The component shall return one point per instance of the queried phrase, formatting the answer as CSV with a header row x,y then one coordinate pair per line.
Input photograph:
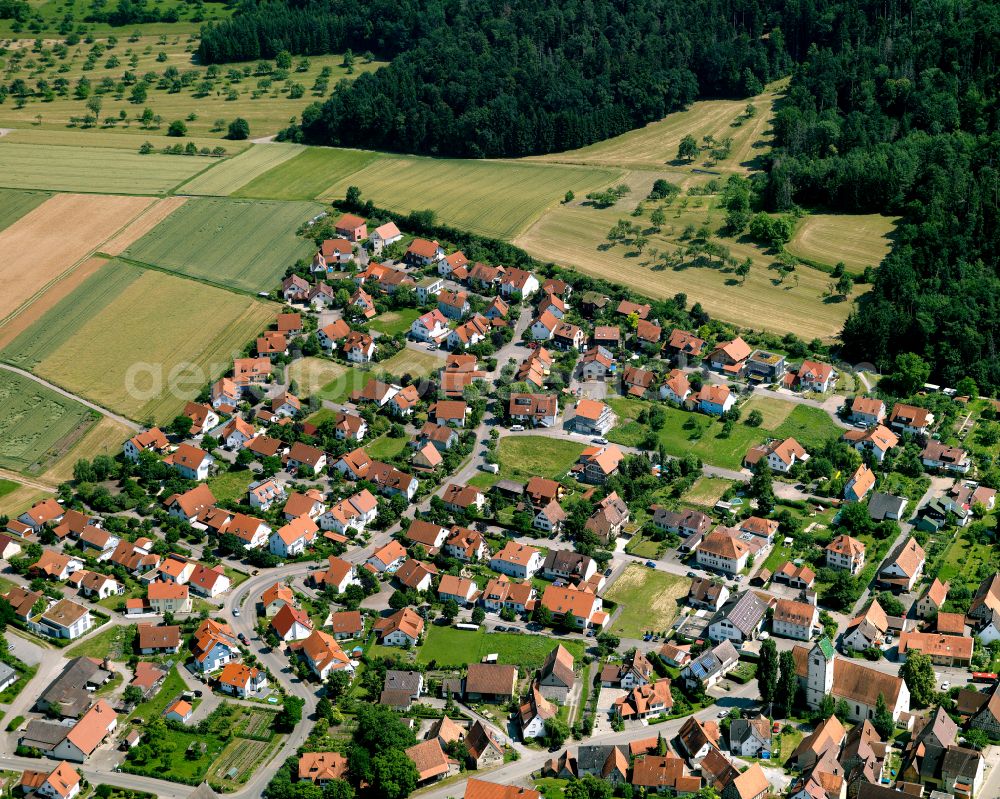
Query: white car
x,y
517,428
945,685
236,611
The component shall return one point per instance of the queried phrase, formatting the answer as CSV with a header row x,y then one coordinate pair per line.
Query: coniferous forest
x,y
892,108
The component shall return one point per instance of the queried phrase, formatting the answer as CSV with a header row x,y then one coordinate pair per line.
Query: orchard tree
x,y
688,148
239,129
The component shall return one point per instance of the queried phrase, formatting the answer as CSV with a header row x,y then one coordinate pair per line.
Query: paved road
x,y
93,406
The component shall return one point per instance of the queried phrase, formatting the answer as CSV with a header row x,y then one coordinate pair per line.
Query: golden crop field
x,y
113,359
858,240
52,238
574,235
491,198
104,438
655,145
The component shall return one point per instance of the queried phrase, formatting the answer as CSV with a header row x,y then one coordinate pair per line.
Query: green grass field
x,y
173,686
448,646
700,435
706,491
14,204
36,425
97,341
228,175
8,487
392,322
231,486
92,169
492,198
386,447
245,244
523,457
647,600
307,175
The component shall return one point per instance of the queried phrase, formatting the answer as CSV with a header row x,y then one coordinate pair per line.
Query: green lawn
x,y
687,432
647,600
24,674
231,486
114,642
524,457
551,788
385,447
811,427
172,686
413,362
8,487
449,646
341,388
484,480
392,322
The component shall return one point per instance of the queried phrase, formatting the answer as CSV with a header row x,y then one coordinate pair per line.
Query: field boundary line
x,y
200,172
204,281
79,262
129,423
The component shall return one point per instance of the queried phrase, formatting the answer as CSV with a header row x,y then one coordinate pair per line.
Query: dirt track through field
x,y
149,219
53,238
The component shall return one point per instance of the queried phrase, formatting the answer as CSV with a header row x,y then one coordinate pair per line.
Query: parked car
x,y
516,428
236,611
607,572
600,440
650,564
692,575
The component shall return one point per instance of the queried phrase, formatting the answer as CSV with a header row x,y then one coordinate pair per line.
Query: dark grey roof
x,y
44,735
744,611
566,560
741,730
6,672
67,694
591,758
880,504
408,681
711,661
959,760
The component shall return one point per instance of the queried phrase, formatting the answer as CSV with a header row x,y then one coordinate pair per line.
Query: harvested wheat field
x,y
33,310
857,240
52,238
152,216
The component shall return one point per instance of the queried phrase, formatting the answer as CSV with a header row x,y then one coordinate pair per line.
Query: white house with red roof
x,y
291,624
191,462
355,512
292,539
431,326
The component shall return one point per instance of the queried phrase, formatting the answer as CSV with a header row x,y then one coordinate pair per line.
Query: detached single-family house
x,y
715,400
191,462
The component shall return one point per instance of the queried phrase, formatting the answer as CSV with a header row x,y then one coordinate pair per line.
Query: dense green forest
x,y
894,109
484,78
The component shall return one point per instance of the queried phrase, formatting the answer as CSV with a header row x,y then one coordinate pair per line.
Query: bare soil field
x,y
150,218
52,238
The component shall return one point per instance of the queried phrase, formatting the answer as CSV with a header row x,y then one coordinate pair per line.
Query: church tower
x,y
819,672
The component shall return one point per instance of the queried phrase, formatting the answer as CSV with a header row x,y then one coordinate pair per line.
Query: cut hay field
x,y
491,198
97,342
36,425
14,204
307,175
53,237
858,240
311,375
226,177
655,145
242,244
648,600
91,169
144,223
21,497
413,362
107,139
574,235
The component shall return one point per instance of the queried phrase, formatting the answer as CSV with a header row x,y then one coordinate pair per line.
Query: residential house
x,y
64,619
633,671
929,605
815,376
431,326
463,498
765,366
550,518
262,494
485,748
592,417
859,484
236,433
416,574
384,235
242,681
388,558
903,567
663,773
323,655
291,624
683,346
404,401
867,411
354,513
845,553
401,688
730,357
460,589
214,645
568,336
534,410
431,761
675,387
301,454
168,597
518,281
192,463
466,545
750,737
158,639
597,364
876,440
740,619
715,400
749,784
422,252
152,440
646,700
910,419
609,518
517,560
351,227
707,594
937,455
597,464
291,540
576,607
867,630
501,593
402,628
96,725
533,712
565,564
795,619
723,553
359,347
338,574
556,678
